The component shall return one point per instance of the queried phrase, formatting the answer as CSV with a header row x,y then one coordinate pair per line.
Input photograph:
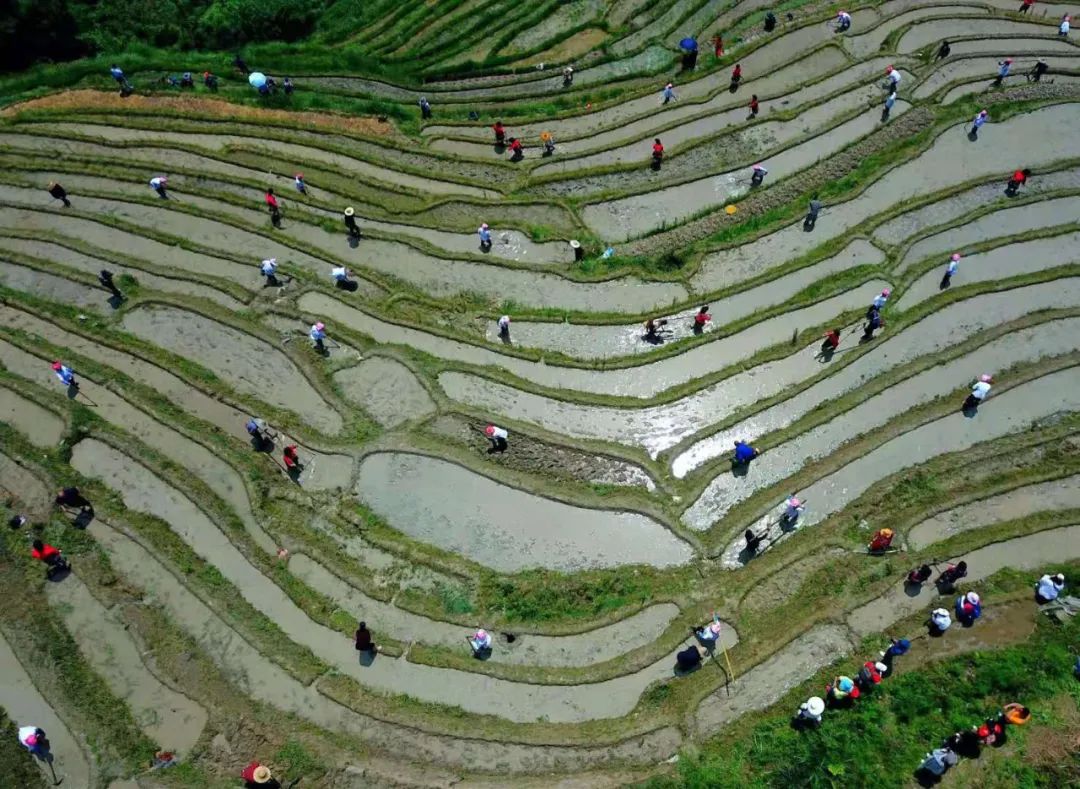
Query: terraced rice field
x,y
215,592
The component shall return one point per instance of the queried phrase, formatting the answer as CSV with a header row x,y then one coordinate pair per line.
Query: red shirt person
x,y
270,199
291,457
500,132
736,73
44,552
657,149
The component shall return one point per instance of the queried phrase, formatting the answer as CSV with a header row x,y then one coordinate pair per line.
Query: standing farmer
x,y
890,100
504,327
954,263
158,184
298,182
59,193
425,108
118,74
657,153
874,322
105,277
350,223
736,77
269,270
753,106
980,119
65,374
669,93
718,45
485,237
757,174
892,79
275,211
1063,28
318,335
1003,71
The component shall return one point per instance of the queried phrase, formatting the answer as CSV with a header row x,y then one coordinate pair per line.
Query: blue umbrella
x,y
689,44
256,79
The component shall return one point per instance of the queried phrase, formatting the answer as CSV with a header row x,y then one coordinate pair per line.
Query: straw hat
x,y
956,256
972,597
350,211
261,774
57,365
575,244
50,185
815,705
545,136
730,209
886,532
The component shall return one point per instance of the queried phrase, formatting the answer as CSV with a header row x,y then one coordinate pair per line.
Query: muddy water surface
x,y
505,528
251,365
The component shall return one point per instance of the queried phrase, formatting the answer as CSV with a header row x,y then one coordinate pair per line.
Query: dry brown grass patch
x,y
212,108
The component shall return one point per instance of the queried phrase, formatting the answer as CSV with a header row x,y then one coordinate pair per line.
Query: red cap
x,y
56,366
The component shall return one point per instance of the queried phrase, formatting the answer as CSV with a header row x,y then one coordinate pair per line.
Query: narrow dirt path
x,y
86,264
940,213
1014,411
26,707
771,133
516,701
105,237
242,360
252,672
1021,553
950,159
218,475
1011,260
599,341
632,217
1058,494
933,334
504,528
767,682
657,428
778,463
582,649
326,471
626,382
167,717
998,224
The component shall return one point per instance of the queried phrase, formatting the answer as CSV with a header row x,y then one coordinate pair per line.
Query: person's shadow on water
x,y
367,656
739,468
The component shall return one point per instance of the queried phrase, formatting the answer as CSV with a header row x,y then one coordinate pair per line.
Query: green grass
x,y
881,740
